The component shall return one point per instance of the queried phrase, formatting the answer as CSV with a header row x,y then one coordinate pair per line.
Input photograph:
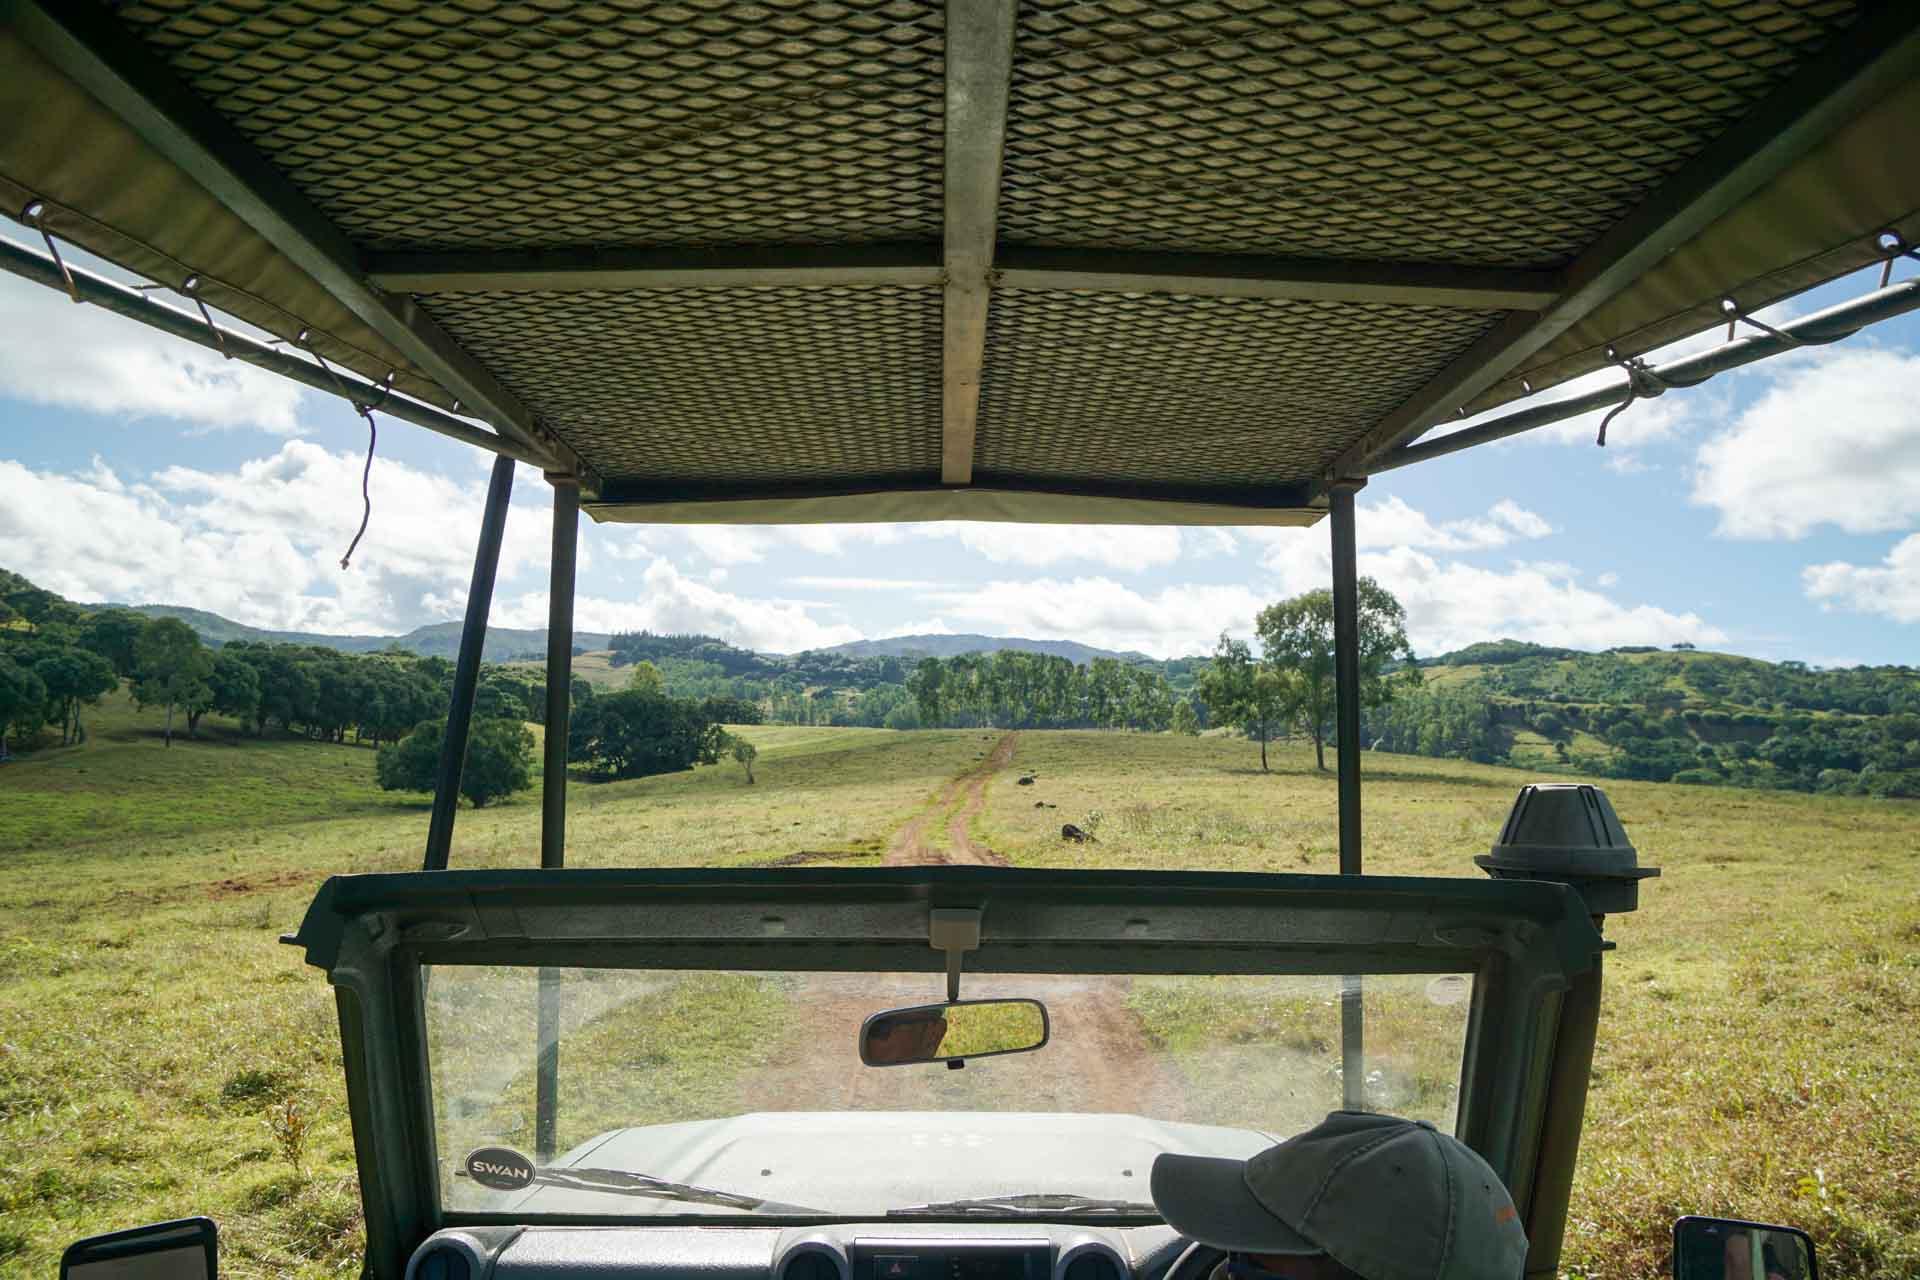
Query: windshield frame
x,y
1522,940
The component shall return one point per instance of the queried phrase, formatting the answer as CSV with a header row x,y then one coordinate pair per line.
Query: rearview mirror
x,y
185,1249
1728,1249
952,1033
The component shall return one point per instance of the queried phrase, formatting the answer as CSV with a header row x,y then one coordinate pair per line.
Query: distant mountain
x,y
948,646
442,639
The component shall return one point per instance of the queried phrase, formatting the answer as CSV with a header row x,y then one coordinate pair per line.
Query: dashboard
x,y
849,1251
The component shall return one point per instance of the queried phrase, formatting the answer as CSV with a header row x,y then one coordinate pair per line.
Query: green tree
x,y
171,668
745,753
630,735
1184,720
22,698
646,678
1243,693
113,633
73,678
499,760
1296,637
233,689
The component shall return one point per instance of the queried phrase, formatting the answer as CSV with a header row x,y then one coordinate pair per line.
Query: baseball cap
x,y
1390,1199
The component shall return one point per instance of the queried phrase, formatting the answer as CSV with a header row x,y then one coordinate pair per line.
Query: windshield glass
x,y
732,1093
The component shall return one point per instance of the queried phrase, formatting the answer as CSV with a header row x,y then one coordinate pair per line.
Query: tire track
x,y
965,797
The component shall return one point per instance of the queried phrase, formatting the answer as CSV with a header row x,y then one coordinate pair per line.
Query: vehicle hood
x,y
861,1163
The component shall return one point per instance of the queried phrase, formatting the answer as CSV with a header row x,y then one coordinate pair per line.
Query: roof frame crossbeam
x,y
86,43
1015,267
979,64
136,305
1832,324
1858,66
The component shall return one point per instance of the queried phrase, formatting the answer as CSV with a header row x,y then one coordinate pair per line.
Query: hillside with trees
x,y
1675,715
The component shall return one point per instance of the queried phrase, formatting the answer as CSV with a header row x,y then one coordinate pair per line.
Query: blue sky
x,y
1775,512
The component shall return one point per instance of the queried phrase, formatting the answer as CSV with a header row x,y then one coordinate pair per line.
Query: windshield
x,y
733,1093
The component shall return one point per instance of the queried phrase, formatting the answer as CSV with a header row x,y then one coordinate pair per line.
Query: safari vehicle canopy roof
x,y
889,259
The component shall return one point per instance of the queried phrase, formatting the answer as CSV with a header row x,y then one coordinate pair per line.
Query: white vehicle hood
x,y
864,1163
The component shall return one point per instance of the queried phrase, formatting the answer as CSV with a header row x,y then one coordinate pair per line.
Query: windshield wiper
x,y
618,1182
1062,1202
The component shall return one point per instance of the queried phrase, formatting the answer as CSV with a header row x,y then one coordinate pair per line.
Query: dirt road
x,y
959,801
1096,1059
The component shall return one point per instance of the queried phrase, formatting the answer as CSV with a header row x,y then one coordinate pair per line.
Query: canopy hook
x,y
1735,316
1895,246
190,287
30,214
1642,384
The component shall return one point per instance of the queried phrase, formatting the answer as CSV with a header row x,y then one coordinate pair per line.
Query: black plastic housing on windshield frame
x,y
1524,941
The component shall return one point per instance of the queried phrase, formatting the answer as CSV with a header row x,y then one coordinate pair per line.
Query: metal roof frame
x,y
1013,73
392,291
1861,64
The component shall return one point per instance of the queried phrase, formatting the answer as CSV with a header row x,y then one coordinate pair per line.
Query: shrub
x,y
499,760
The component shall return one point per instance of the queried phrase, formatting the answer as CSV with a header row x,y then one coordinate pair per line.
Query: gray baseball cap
x,y
1387,1198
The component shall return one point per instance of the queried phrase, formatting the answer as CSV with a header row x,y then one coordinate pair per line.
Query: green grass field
x,y
158,1048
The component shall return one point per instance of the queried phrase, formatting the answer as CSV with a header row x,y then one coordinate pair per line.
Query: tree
x,y
73,678
744,752
233,689
646,678
630,734
113,633
499,760
1296,637
22,697
1184,720
1243,693
171,668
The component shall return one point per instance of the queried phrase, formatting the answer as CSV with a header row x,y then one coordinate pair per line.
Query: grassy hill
x,y
1686,715
1755,1057
948,646
438,640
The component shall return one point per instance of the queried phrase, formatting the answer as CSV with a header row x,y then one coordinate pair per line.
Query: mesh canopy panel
x,y
699,122
1437,131
1202,391
722,385
761,252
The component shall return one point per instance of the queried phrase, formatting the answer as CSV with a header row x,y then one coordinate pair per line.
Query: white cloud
x,y
865,584
1450,603
1176,620
1836,441
81,357
261,544
1392,523
1890,588
1124,547
668,601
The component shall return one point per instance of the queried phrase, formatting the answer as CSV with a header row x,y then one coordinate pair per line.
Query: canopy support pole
x,y
466,674
553,778
553,797
1346,699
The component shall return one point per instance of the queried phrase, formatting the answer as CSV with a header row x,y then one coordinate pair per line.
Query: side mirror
x,y
1729,1249
952,1033
186,1249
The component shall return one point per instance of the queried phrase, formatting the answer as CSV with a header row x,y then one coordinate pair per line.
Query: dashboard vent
x,y
442,1264
811,1264
1093,1265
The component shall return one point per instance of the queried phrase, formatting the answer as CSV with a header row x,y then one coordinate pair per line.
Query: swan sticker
x,y
501,1168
